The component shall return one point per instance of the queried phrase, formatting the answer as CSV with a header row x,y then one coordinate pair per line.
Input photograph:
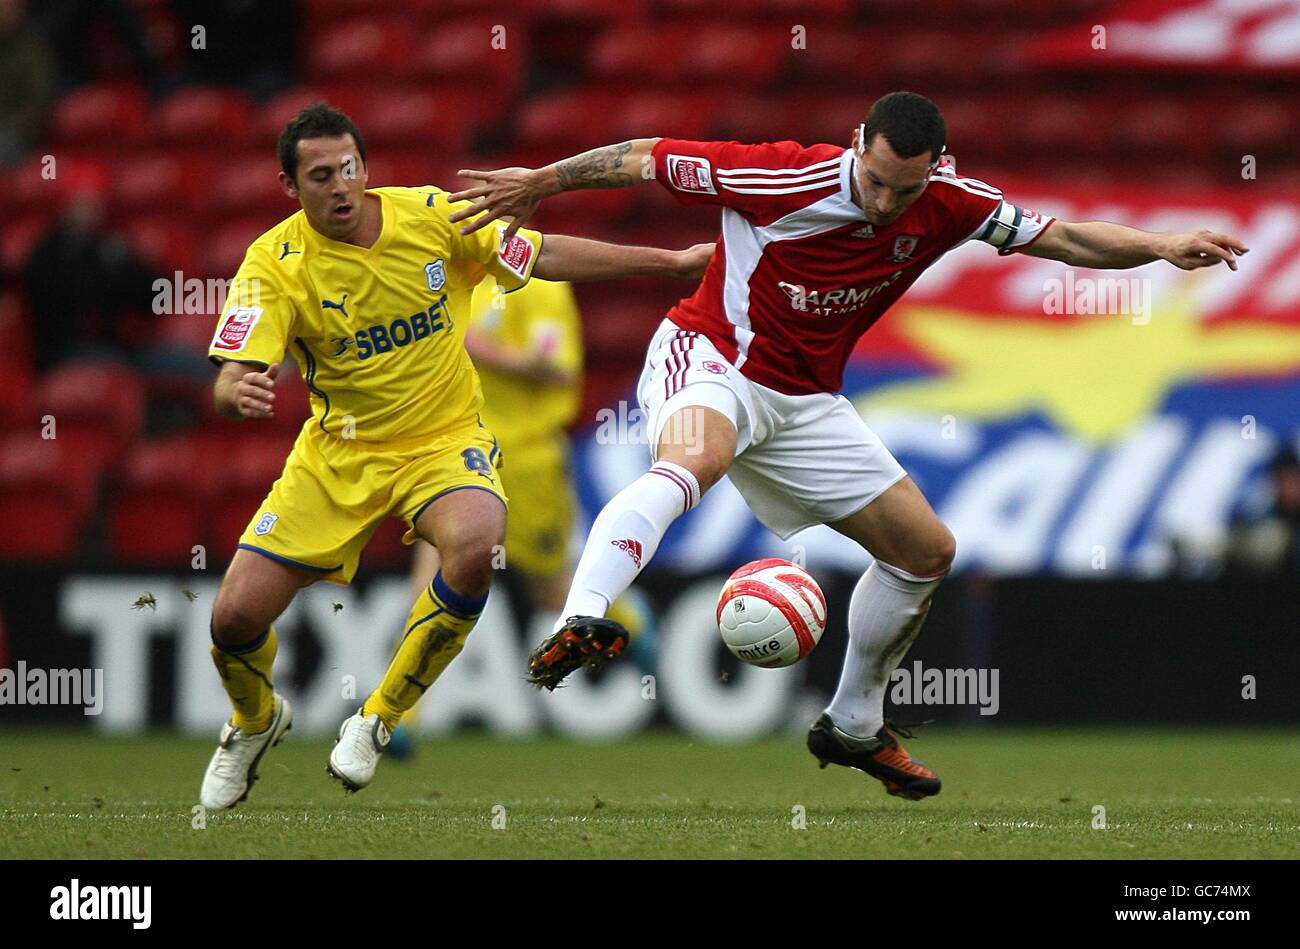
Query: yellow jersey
x,y
541,317
379,332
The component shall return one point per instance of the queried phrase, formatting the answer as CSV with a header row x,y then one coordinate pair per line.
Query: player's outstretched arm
x,y
516,192
243,391
578,260
1107,246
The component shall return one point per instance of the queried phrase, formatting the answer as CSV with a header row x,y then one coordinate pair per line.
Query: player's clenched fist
x,y
244,393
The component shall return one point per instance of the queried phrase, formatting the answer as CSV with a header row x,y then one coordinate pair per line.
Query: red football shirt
x,y
800,273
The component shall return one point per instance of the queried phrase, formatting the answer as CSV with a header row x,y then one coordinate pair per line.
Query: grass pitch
x,y
1028,794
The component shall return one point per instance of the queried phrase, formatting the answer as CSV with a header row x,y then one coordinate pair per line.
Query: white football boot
x,y
233,767
356,753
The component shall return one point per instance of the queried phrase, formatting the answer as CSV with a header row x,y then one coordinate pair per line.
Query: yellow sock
x,y
436,629
246,676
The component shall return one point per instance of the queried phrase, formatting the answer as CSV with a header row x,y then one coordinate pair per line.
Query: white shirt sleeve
x,y
1011,227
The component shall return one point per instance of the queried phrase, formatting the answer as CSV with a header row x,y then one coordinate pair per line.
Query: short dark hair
x,y
911,123
316,121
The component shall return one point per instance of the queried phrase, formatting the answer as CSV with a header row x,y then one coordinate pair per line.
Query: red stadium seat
x,y
810,118
149,180
246,469
734,55
830,50
361,48
20,236
228,243
31,190
640,52
671,53
201,115
274,114
101,112
47,488
166,241
1153,123
491,49
609,115
16,331
408,116
161,503
98,407
385,551
247,183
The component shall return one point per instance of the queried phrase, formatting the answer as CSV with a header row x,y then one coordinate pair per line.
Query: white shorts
x,y
800,459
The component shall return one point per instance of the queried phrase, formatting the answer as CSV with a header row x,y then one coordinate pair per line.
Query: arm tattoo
x,y
595,169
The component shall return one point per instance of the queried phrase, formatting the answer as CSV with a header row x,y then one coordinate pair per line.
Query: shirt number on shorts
x,y
475,460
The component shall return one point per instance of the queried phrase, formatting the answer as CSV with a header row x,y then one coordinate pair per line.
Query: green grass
x,y
1169,794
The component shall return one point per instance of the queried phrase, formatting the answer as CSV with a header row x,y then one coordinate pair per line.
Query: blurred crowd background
x,y
137,142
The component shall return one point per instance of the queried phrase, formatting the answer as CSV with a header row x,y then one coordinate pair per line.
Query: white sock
x,y
885,614
626,535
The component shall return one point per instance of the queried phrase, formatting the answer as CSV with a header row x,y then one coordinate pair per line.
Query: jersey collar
x,y
386,228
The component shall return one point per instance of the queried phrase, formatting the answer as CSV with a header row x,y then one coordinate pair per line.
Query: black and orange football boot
x,y
583,641
882,757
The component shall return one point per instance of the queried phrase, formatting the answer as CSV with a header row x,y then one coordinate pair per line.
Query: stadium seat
x,y
16,330
101,112
386,550
412,116
161,503
412,168
165,240
806,118
274,114
247,183
491,49
229,241
677,52
47,488
553,121
100,405
1154,123
21,235
246,469
639,51
361,48
201,115
31,188
153,179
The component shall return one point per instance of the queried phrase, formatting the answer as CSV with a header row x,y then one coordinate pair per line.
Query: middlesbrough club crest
x,y
903,248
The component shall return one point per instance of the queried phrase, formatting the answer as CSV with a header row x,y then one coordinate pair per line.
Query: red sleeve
x,y
764,181
980,212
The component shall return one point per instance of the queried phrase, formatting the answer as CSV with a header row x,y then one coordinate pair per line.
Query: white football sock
x,y
885,614
626,535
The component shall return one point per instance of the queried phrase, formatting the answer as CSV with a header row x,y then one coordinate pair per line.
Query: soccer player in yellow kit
x,y
527,348
369,290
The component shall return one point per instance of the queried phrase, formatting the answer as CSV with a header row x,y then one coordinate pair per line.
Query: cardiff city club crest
x,y
265,524
436,274
903,247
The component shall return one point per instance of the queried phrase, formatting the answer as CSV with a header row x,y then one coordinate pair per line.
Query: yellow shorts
x,y
541,517
334,493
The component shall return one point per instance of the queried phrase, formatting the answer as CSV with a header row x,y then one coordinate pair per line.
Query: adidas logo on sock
x,y
633,548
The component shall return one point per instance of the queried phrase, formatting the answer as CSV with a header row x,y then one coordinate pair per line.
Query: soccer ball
x,y
771,613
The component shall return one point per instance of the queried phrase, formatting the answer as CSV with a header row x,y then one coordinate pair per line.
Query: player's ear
x,y
288,185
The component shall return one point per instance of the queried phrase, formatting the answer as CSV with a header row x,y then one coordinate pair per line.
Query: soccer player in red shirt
x,y
817,243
